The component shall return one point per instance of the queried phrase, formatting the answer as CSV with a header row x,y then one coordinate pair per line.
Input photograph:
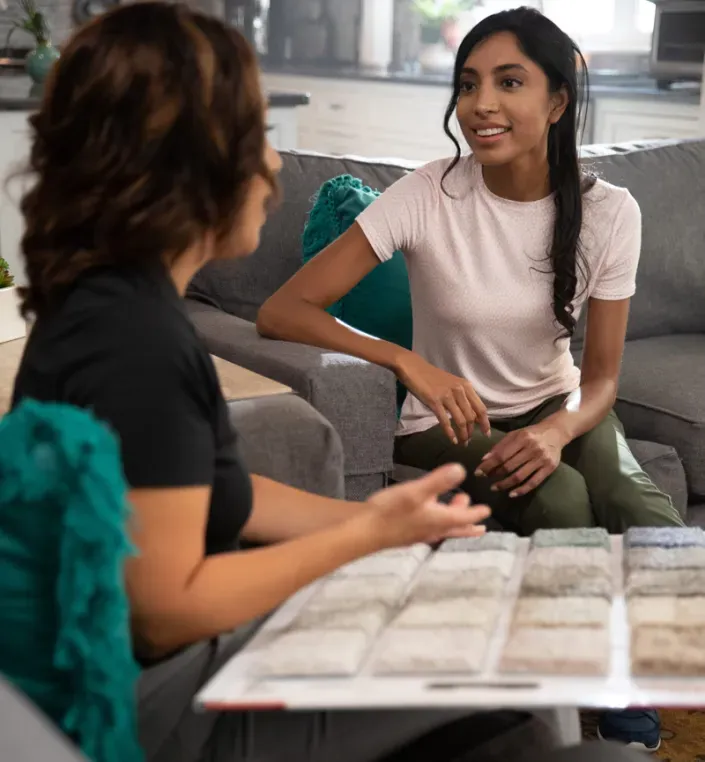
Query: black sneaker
x,y
638,729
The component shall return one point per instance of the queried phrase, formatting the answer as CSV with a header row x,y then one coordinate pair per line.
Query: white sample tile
x,y
450,612
402,566
562,612
368,616
315,653
482,582
414,652
388,590
502,560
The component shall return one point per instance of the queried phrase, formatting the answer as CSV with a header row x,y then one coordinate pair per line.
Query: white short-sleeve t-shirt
x,y
482,286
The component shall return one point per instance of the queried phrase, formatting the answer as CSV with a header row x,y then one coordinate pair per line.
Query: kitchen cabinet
x,y
14,155
618,120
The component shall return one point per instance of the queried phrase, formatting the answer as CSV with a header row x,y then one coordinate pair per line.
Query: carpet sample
x,y
501,560
664,537
403,567
482,583
679,582
490,541
562,612
557,557
315,653
420,552
665,558
414,652
657,611
665,651
586,538
574,581
557,650
450,612
369,617
387,590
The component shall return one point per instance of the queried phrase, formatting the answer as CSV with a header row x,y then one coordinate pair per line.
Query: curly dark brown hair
x,y
151,128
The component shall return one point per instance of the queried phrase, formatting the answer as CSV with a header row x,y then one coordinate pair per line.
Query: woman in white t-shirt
x,y
504,248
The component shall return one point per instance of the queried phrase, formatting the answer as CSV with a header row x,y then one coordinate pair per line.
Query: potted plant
x,y
34,22
439,21
12,325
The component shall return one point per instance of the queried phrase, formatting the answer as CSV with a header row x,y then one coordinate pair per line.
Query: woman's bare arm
x,y
297,312
179,596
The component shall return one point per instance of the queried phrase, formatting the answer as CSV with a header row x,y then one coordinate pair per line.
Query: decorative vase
x,y
39,62
12,324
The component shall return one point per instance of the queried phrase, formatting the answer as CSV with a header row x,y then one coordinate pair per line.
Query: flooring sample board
x,y
419,551
407,651
490,541
369,617
557,650
450,612
301,653
502,560
665,651
664,537
562,612
678,613
587,538
403,566
482,583
665,558
664,582
557,557
575,581
388,590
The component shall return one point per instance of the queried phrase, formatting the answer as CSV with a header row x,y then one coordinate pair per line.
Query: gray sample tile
x,y
574,581
588,538
450,612
314,653
665,582
490,541
416,652
668,652
385,589
379,566
432,585
557,650
664,537
665,558
502,560
556,557
368,616
562,612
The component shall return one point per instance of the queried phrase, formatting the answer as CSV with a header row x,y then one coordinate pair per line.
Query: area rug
x,y
683,735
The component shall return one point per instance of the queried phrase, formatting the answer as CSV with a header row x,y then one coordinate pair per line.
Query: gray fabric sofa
x,y
662,392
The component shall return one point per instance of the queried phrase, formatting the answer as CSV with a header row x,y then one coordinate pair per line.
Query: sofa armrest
x,y
358,398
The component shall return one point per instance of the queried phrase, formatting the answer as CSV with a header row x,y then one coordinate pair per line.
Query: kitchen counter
x,y
601,86
18,93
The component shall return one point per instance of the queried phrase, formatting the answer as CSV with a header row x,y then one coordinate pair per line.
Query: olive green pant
x,y
598,483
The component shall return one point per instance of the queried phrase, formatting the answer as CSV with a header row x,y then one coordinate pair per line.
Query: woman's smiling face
x,y
505,107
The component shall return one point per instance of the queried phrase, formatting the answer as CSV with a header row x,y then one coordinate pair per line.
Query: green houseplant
x,y
436,13
12,326
34,22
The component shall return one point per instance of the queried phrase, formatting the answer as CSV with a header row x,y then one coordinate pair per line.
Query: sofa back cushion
x,y
240,287
669,184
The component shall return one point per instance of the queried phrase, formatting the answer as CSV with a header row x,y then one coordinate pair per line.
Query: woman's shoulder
x,y
606,203
443,178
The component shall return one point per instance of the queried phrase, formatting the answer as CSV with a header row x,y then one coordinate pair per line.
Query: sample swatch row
x,y
665,587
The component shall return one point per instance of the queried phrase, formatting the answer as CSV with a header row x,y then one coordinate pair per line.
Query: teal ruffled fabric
x,y
65,635
380,305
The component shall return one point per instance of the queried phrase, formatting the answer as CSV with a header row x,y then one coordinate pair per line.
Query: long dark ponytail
x,y
563,63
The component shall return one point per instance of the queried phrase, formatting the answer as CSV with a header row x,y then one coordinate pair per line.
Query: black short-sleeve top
x,y
121,345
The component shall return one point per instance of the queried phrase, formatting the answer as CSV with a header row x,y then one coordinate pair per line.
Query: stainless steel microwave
x,y
678,46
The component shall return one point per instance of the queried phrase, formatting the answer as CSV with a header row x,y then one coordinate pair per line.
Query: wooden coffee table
x,y
237,383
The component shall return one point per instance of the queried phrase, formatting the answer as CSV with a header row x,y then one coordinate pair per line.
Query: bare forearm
x,y
231,589
585,408
281,513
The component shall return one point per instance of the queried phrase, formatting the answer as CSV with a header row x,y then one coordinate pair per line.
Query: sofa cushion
x,y
240,287
661,399
667,181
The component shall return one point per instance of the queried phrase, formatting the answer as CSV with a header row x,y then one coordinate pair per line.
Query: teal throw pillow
x,y
380,305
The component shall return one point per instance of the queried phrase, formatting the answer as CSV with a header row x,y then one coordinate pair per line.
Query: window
x,y
597,25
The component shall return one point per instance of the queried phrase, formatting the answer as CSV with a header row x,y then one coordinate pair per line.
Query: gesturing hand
x,y
453,400
409,513
525,458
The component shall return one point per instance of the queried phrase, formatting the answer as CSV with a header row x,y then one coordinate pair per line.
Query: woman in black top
x,y
150,160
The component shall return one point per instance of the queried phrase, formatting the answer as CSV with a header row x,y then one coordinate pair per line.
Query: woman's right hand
x,y
452,399
410,513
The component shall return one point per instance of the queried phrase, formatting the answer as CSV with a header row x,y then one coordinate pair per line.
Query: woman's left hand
x,y
525,458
